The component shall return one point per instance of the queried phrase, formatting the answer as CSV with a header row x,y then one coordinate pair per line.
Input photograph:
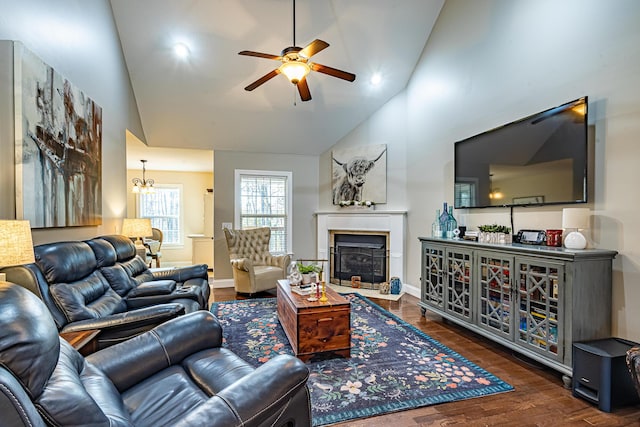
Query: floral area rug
x,y
393,365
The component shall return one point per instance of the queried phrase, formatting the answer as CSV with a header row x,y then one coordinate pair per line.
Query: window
x,y
164,207
263,199
465,194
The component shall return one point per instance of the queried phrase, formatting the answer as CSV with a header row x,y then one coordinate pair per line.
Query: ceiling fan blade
x,y
303,89
333,72
314,47
260,55
263,79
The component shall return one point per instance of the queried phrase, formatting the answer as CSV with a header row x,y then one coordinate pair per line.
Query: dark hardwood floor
x,y
539,398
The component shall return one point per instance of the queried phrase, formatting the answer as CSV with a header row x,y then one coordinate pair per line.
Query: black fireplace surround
x,y
363,255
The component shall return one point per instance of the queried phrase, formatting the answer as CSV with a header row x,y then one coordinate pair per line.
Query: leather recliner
x,y
255,269
67,278
175,375
131,278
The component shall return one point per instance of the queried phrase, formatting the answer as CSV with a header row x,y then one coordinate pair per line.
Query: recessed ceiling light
x,y
376,79
181,50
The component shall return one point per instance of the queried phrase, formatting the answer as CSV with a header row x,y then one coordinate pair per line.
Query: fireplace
x,y
359,258
391,224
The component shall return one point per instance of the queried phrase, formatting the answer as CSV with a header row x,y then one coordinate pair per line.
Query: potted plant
x,y
494,233
309,272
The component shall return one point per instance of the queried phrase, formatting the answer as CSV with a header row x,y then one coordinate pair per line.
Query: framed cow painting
x,y
359,175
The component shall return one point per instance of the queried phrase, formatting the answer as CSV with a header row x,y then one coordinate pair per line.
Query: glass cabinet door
x,y
494,279
539,290
434,275
458,298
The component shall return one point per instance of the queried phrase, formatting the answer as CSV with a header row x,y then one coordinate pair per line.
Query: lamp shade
x,y
137,227
575,218
16,243
295,71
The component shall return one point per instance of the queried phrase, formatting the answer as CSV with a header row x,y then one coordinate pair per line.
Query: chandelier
x,y
144,185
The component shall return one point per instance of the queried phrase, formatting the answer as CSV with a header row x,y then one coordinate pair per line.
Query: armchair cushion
x,y
268,273
148,404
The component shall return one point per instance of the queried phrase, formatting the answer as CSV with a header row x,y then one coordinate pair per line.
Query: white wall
x,y
489,62
79,40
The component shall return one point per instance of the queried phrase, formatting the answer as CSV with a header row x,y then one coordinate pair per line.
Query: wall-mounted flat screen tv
x,y
538,160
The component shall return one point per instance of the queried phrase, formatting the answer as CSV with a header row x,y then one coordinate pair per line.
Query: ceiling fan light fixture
x,y
294,70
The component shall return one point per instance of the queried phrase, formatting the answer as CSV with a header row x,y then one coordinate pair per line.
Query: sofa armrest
x,y
154,315
155,287
181,274
165,345
255,397
151,300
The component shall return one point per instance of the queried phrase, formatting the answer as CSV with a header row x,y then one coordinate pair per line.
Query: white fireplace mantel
x,y
392,222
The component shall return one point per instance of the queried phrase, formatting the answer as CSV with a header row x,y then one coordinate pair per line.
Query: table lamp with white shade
x,y
574,220
137,228
16,244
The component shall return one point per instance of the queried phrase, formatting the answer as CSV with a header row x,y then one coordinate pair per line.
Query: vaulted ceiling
x,y
200,102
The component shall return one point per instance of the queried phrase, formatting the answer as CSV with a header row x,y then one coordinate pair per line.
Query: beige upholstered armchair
x,y
254,268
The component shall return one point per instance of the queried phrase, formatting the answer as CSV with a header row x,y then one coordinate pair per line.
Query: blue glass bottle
x,y
452,224
444,217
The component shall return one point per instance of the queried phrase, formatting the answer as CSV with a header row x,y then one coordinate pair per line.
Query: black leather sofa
x,y
102,284
175,375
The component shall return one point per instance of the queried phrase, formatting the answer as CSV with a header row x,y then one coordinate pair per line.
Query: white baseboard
x,y
176,264
221,283
411,290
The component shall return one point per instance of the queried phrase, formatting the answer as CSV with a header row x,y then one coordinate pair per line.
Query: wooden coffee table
x,y
313,327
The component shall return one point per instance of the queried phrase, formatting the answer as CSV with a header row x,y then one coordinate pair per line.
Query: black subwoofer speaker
x,y
600,373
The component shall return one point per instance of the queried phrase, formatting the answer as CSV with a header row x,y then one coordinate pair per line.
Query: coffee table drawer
x,y
324,330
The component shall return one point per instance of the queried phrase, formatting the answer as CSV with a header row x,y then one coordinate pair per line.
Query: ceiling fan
x,y
296,65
